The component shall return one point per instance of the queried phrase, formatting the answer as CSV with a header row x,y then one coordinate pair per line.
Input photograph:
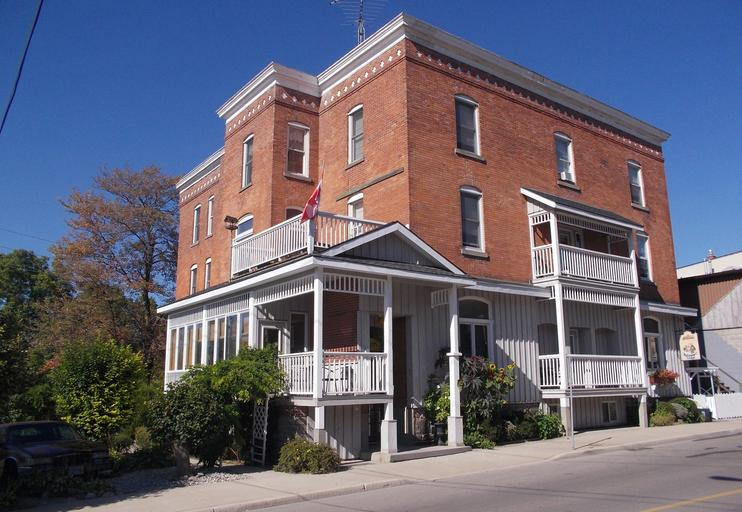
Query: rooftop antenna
x,y
359,11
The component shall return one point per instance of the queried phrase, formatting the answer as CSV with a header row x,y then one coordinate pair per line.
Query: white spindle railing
x,y
344,373
292,236
578,262
543,261
593,371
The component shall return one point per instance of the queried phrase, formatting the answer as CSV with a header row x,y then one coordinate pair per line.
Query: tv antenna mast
x,y
358,12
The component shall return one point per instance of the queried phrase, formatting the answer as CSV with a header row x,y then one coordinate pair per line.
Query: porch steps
x,y
418,453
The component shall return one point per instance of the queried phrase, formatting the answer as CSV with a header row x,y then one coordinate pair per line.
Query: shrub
x,y
665,408
302,456
549,426
694,415
681,412
511,431
437,404
528,429
661,419
478,439
94,387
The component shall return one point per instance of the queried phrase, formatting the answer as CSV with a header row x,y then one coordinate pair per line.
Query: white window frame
x,y
568,176
612,408
631,164
353,204
207,273
460,98
249,140
472,192
242,220
305,344
647,256
488,323
652,365
193,285
196,224
305,160
210,217
352,158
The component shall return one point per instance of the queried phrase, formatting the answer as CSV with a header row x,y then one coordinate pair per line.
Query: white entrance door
x,y
274,333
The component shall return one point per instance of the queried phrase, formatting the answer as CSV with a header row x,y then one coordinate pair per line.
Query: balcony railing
x,y
343,373
292,237
593,371
584,264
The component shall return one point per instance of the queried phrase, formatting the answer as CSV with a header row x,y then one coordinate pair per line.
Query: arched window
x,y
652,342
636,183
564,157
292,212
474,322
244,226
467,124
297,161
247,161
355,134
194,278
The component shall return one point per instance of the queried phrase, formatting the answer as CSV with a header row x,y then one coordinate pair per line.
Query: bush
x,y
694,415
302,456
94,387
549,426
478,439
528,429
681,412
144,458
661,419
665,408
437,404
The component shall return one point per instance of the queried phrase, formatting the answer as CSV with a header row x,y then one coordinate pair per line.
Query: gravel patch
x,y
165,478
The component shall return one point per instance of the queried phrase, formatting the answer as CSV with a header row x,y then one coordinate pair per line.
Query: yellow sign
x,y
689,348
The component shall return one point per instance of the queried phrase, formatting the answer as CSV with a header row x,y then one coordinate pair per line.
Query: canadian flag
x,y
312,206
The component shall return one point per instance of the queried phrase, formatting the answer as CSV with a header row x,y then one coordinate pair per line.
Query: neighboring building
x,y
468,204
714,288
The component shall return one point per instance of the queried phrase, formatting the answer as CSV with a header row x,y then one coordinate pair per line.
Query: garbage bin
x,y
706,413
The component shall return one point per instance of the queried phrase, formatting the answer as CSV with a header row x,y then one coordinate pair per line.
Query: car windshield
x,y
43,433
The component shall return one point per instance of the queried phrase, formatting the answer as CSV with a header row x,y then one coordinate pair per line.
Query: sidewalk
x,y
268,488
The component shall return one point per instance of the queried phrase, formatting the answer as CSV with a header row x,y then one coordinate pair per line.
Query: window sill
x,y
353,164
246,187
208,236
297,177
468,154
474,253
640,207
194,244
568,184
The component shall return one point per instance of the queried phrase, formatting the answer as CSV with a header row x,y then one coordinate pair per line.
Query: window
x,y
652,342
355,134
194,276
635,184
247,162
355,206
298,150
564,157
196,222
207,273
610,414
298,332
467,125
570,236
642,257
292,212
210,217
473,328
472,235
244,226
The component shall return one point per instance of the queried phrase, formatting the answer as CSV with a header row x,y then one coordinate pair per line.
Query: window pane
x,y
296,162
357,122
211,336
245,226
470,220
298,332
189,348
636,194
466,127
247,165
296,138
199,343
473,309
480,341
221,334
231,348
244,330
357,148
173,345
181,347
465,340
651,325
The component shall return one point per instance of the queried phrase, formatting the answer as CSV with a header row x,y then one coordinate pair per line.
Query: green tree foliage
x,y
95,386
484,387
210,407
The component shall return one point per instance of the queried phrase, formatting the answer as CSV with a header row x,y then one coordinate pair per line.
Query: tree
x,y
95,386
123,233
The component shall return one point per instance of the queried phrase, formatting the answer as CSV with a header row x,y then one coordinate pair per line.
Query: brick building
x,y
468,204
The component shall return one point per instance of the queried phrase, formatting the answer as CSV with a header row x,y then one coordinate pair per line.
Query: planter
x,y
439,430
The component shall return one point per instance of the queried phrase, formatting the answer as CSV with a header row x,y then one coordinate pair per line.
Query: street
x,y
703,474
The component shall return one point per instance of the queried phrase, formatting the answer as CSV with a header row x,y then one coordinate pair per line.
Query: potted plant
x,y
663,377
437,406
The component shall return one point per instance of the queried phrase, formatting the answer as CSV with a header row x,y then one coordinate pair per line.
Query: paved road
x,y
704,474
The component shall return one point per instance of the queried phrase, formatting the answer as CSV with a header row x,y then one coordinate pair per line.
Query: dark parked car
x,y
49,446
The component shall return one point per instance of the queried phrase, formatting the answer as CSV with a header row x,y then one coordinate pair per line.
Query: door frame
x,y
283,335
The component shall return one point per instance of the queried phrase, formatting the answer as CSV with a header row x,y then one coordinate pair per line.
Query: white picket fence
x,y
722,405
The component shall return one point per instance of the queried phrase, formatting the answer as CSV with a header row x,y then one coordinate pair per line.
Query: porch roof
x,y
574,207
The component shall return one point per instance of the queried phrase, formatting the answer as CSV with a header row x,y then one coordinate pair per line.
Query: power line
x,y
20,66
27,235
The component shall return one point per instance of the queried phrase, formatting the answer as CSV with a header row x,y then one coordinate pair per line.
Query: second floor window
x,y
210,217
207,273
292,212
196,224
355,206
244,226
652,342
194,278
467,125
471,219
298,150
564,160
355,134
635,184
642,257
247,162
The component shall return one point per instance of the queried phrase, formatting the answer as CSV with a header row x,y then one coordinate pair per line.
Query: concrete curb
x,y
644,444
308,496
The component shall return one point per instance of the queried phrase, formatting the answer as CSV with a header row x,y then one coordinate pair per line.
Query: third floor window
x,y
635,184
196,224
355,134
298,150
247,161
467,125
564,157
472,236
210,217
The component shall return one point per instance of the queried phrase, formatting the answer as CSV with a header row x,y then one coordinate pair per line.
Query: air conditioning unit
x,y
564,176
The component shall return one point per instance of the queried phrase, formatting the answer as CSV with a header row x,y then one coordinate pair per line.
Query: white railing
x,y
299,372
593,371
583,263
292,236
344,373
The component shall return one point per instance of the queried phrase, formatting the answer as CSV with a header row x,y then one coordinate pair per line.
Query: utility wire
x,y
20,66
27,235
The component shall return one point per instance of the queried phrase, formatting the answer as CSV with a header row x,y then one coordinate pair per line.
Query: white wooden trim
x,y
670,309
284,290
355,284
439,298
317,331
200,171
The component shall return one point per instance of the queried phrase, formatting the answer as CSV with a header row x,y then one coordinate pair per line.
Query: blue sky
x,y
136,83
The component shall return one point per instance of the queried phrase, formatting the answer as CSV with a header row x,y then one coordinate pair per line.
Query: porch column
x,y
252,333
319,434
455,420
318,365
565,377
643,412
389,424
554,231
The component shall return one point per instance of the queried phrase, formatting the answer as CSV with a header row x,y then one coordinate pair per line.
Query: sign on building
x,y
689,348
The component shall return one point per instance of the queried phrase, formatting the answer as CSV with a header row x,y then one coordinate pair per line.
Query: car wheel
x,y
10,474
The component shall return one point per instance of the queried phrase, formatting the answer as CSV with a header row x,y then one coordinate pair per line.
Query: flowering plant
x,y
664,376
